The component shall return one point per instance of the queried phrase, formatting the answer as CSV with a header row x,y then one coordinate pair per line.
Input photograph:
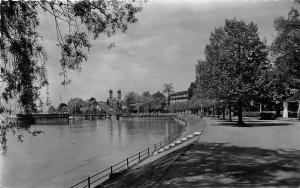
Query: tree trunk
x,y
298,113
229,107
260,107
223,113
218,111
240,122
277,110
213,111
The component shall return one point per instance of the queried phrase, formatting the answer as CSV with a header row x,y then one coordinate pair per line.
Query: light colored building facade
x,y
292,105
179,97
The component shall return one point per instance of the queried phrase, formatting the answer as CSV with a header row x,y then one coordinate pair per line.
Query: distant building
x,y
179,97
119,95
113,101
112,105
291,106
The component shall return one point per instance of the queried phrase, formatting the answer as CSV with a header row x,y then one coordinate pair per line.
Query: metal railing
x,y
170,138
114,168
130,161
167,141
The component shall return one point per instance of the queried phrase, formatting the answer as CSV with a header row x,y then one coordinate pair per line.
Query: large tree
x,y
23,58
236,58
75,105
131,100
147,101
51,110
159,101
191,90
89,106
168,89
286,46
286,52
62,108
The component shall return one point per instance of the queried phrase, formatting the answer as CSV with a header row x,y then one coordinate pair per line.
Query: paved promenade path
x,y
265,154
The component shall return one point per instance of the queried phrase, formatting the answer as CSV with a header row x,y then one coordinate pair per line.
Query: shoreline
x,y
261,155
192,124
189,129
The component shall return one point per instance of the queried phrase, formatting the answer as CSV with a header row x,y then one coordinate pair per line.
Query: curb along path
x,y
160,159
194,128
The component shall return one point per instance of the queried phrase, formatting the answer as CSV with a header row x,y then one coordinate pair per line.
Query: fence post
x,y
89,182
148,152
139,156
127,162
154,147
111,170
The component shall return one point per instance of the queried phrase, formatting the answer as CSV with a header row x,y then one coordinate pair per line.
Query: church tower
x,y
110,95
119,95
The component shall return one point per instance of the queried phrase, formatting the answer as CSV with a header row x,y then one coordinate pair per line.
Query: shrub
x,y
251,114
267,116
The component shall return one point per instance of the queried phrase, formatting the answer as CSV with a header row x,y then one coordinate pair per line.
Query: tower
x,y
119,95
110,94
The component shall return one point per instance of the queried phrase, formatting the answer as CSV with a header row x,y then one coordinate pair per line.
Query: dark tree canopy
x,y
146,94
159,101
286,46
168,89
75,105
191,90
52,110
23,59
61,107
235,60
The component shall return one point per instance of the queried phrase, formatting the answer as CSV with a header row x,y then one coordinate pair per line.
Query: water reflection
x,y
65,154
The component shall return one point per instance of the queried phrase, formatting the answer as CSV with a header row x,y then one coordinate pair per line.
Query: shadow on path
x,y
252,123
217,165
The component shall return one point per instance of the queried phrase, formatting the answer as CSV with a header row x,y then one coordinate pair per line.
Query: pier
x,y
58,119
23,119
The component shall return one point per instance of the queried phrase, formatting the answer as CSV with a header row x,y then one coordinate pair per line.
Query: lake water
x,y
66,154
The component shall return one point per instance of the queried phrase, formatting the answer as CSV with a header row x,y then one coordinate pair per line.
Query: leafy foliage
x,y
145,102
23,70
23,59
98,17
168,89
235,60
62,108
88,107
4,129
130,100
75,105
191,90
286,46
52,110
159,101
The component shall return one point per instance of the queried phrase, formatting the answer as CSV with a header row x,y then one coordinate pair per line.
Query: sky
x,y
162,47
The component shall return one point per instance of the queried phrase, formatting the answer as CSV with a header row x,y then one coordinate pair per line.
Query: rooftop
x,y
179,93
294,98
